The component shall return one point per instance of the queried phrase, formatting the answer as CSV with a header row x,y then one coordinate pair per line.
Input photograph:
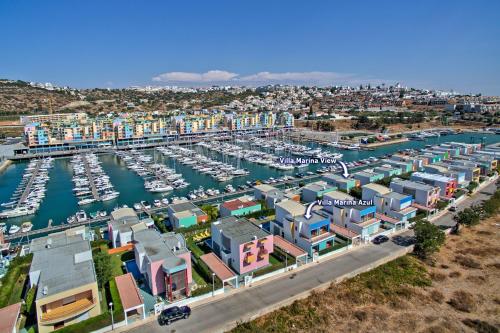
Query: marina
x,y
60,201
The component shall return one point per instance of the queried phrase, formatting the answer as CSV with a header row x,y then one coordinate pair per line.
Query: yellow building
x,y
63,273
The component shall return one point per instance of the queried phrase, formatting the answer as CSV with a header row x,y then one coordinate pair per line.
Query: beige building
x,y
63,273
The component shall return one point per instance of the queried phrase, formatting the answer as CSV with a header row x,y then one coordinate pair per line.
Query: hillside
x,y
20,98
459,292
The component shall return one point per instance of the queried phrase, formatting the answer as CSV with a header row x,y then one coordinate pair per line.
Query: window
x,y
69,300
58,325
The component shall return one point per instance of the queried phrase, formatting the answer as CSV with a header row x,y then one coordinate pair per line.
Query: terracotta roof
x,y
386,218
129,294
416,205
285,245
343,231
217,266
238,204
9,316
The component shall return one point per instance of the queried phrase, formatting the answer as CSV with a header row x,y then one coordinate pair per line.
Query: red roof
x,y
129,294
8,316
285,245
217,266
238,204
386,218
348,233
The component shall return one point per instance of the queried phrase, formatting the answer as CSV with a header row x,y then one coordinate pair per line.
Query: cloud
x,y
294,76
210,76
308,78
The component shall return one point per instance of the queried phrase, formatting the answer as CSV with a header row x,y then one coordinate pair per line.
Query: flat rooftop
x,y
240,230
64,262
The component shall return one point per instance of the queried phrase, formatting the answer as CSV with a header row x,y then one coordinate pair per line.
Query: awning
x,y
9,316
218,267
129,294
288,247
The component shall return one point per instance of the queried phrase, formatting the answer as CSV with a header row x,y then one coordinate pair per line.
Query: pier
x,y
88,172
27,189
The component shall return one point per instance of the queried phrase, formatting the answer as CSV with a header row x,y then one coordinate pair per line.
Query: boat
x,y
3,227
16,212
146,204
86,201
13,229
26,226
81,216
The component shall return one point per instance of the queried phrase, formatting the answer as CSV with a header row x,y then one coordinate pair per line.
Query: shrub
x,y
462,301
29,301
467,262
480,326
437,296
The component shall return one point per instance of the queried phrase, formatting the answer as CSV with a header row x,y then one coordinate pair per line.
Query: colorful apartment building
x,y
272,195
368,176
394,208
340,182
316,190
239,207
185,214
426,196
122,223
447,185
63,273
388,171
361,219
165,263
242,245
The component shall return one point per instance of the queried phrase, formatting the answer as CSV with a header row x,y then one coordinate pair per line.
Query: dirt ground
x,y
458,292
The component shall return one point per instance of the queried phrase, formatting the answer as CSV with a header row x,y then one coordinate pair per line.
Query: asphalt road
x,y
254,301
241,306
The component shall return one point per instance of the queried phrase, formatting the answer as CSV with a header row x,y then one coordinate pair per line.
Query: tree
x,y
356,192
211,211
102,262
468,217
428,238
472,186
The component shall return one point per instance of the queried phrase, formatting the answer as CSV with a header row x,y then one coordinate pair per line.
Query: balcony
x,y
250,258
67,311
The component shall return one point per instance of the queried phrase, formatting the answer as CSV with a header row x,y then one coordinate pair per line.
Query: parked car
x,y
453,209
174,313
380,239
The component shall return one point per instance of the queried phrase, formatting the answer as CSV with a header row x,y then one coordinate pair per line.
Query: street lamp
x,y
286,260
112,318
213,284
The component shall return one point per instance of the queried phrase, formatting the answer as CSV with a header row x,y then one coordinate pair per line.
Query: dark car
x,y
174,313
453,209
380,239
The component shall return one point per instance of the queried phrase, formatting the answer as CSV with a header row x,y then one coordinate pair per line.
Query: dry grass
x,y
459,292
462,301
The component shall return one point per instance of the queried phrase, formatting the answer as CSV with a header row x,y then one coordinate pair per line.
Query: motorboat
x,y
86,201
16,212
26,226
14,229
81,216
3,227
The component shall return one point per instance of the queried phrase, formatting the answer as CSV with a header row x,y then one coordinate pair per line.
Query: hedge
x,y
18,266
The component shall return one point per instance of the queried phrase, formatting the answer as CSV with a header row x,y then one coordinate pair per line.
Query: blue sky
x,y
428,44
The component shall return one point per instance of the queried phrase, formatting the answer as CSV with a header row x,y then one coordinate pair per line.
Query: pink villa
x,y
242,245
165,262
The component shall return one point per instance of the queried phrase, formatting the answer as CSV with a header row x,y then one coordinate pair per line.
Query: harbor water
x,y
60,202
